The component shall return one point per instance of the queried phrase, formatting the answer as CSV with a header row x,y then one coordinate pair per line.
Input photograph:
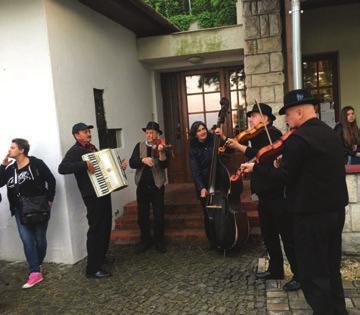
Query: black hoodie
x,y
34,179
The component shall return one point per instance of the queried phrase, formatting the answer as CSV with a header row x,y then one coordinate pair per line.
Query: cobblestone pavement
x,y
188,279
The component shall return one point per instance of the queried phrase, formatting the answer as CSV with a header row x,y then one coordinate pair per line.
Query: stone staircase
x,y
183,216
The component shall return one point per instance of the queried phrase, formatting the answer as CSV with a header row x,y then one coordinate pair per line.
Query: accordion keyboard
x,y
100,179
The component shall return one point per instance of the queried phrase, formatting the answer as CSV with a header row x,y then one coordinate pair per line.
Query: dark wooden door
x,y
192,96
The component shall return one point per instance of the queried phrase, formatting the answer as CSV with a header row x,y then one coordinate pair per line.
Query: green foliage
x,y
209,13
182,21
206,19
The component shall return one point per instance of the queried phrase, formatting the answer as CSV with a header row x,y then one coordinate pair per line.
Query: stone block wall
x,y
263,55
351,232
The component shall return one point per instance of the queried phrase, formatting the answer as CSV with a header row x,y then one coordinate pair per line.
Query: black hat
x,y
265,109
81,126
297,97
152,125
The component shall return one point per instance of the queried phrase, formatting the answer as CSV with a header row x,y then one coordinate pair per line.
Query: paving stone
x,y
302,312
188,280
349,303
273,285
277,306
299,305
347,284
279,313
276,294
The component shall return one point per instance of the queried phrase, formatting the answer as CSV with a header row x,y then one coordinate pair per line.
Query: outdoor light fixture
x,y
195,59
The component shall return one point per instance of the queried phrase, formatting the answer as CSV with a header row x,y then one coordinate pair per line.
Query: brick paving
x,y
188,279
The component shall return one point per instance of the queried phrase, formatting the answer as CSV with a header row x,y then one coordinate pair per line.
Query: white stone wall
x,y
52,54
28,110
351,232
90,51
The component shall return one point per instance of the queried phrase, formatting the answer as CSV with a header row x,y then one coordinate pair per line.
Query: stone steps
x,y
183,216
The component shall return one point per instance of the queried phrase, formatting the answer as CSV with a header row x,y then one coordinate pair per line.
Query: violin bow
x,y
266,129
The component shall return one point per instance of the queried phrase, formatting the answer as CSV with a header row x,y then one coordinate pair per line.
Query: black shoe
x,y
292,285
142,247
161,247
267,275
99,274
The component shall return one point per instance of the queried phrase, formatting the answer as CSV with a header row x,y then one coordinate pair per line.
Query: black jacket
x,y
73,164
263,186
347,150
43,181
200,155
312,168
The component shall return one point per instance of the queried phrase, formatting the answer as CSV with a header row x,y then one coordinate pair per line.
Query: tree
x,y
209,13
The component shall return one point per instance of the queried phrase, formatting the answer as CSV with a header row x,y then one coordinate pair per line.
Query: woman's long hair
x,y
350,130
193,130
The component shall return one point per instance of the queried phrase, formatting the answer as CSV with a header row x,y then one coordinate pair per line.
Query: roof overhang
x,y
135,15
200,48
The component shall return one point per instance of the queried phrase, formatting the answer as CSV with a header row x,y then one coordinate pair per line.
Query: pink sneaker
x,y
34,278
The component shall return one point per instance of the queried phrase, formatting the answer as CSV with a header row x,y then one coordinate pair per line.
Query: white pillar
x,y
296,43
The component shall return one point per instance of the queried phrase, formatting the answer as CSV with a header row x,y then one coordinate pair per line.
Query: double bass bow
x,y
230,224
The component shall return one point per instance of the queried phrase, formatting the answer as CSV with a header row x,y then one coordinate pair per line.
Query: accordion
x,y
108,176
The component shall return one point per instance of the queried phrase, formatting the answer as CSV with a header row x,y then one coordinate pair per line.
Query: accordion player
x,y
108,176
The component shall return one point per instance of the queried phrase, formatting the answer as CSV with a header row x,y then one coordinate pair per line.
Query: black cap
x,y
81,126
152,125
297,97
265,109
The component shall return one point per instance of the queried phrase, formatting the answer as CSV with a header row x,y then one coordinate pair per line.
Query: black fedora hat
x,y
152,125
265,109
297,97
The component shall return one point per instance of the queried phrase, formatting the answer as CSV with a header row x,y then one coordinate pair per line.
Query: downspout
x,y
296,44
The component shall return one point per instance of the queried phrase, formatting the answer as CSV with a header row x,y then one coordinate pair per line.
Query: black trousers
x,y
99,215
318,252
276,222
146,196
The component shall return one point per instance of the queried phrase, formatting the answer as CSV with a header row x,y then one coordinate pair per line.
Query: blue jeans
x,y
34,242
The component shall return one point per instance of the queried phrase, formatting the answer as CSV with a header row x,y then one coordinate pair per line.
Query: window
x,y
108,138
203,96
320,77
238,99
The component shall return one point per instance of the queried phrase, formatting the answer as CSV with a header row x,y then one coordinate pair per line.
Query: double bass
x,y
229,223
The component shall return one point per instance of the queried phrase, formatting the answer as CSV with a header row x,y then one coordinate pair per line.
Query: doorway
x,y
195,95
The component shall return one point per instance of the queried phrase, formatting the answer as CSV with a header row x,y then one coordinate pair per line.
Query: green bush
x,y
210,13
182,21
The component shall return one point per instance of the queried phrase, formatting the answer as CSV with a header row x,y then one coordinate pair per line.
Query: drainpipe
x,y
296,43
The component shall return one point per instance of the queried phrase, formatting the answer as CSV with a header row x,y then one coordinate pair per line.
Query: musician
x,y
200,156
312,169
99,211
275,221
150,180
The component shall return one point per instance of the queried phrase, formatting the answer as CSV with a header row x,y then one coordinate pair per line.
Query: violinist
x,y
312,169
275,221
200,156
150,180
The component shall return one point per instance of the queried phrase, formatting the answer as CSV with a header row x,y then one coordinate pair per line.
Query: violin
x,y
267,153
246,135
155,147
272,151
